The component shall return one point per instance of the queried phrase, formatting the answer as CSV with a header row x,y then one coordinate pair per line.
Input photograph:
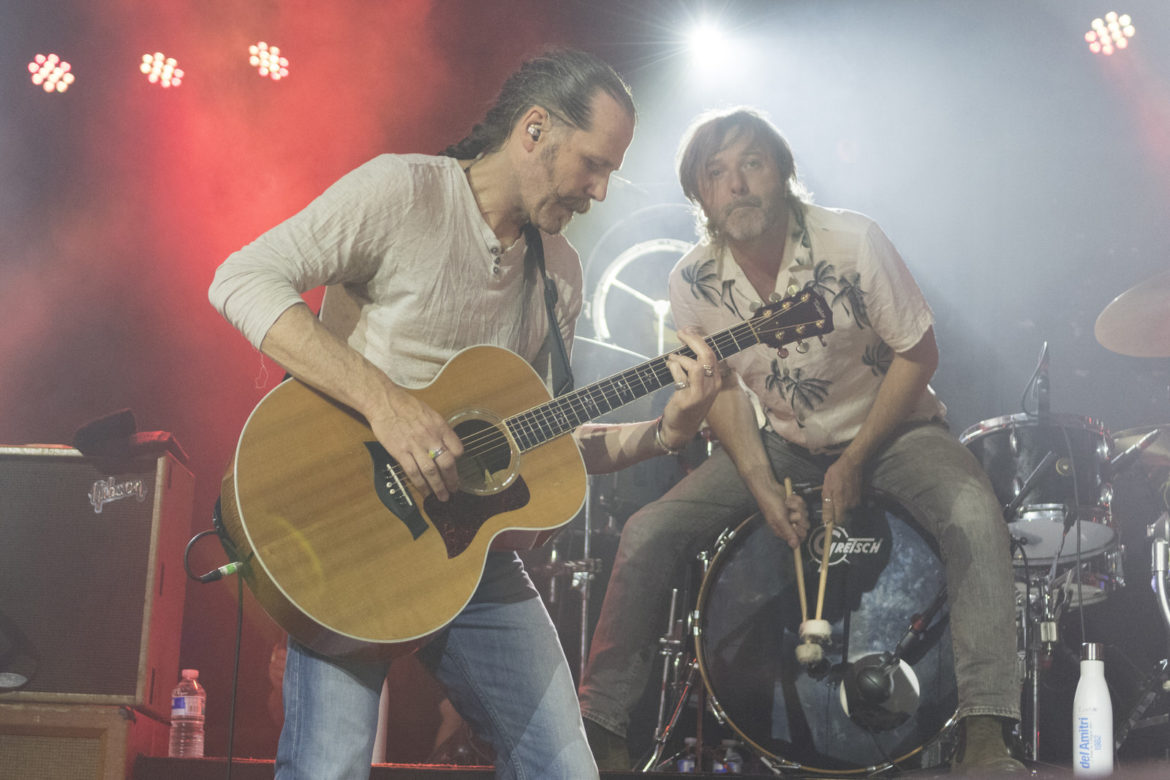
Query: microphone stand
x,y
1043,404
869,684
1014,505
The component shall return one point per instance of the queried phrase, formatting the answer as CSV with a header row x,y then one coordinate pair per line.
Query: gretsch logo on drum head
x,y
843,545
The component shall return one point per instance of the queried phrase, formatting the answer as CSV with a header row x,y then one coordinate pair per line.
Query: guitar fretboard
x,y
563,414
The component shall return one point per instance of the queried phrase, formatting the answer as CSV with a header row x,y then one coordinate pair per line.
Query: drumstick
x,y
816,633
799,563
826,548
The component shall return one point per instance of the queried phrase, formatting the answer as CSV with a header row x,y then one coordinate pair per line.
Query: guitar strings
x,y
552,419
609,390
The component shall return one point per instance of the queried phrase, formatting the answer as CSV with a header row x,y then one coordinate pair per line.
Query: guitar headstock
x,y
794,318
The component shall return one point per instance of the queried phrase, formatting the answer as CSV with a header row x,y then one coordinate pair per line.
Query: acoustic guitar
x,y
349,558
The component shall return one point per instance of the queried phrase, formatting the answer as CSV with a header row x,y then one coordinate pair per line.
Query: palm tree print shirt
x,y
820,393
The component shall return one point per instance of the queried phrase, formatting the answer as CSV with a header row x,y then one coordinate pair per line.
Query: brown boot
x,y
983,750
609,749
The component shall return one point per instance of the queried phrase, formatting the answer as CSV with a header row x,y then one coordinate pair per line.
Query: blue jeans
x,y
922,465
504,670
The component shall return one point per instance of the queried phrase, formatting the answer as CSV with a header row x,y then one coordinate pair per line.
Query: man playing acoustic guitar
x,y
425,256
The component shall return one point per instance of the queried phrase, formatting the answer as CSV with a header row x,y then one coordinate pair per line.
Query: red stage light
x,y
1109,34
268,61
161,70
51,73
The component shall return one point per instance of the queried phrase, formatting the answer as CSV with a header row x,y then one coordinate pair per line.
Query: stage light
x,y
709,43
51,73
268,61
1109,34
161,70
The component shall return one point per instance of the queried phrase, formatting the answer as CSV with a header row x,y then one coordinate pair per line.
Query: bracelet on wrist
x,y
661,442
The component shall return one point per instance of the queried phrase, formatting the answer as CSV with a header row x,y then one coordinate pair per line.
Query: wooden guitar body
x,y
339,570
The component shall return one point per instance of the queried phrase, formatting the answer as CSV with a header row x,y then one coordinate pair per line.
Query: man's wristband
x,y
661,441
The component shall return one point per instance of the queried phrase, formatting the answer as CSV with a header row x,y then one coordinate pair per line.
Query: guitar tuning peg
x,y
782,353
802,346
821,339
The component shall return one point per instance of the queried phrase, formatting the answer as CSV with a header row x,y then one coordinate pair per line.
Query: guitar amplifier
x,y
91,577
82,741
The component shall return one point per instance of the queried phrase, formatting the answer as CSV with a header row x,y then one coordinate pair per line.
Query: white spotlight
x,y
708,42
161,70
1111,33
268,61
50,73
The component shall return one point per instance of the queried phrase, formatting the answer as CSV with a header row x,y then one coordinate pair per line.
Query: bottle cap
x,y
190,674
1092,651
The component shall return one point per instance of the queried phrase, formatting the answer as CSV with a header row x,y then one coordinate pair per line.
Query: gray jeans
x,y
922,465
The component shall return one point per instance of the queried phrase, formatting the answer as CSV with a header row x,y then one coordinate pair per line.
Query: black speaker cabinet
x,y
91,576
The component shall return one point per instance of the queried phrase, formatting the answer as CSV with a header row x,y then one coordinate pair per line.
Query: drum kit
x,y
871,687
880,685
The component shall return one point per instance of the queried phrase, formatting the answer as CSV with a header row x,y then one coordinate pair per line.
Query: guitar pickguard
x,y
459,518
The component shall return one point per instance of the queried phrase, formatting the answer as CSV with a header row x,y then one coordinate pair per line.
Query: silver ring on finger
x,y
708,370
436,452
682,384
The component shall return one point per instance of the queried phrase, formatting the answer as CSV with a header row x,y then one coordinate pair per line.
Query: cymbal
x,y
1156,455
1137,322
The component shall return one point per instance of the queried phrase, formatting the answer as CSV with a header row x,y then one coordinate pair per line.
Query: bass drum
x,y
883,569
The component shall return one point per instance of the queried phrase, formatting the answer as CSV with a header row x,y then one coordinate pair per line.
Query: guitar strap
x,y
562,373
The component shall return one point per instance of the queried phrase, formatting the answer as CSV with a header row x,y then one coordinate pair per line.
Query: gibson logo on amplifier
x,y
105,491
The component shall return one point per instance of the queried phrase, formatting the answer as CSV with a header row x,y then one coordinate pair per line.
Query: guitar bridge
x,y
392,492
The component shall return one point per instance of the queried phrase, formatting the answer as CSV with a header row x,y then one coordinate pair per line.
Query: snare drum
x,y
1092,582
1010,449
883,569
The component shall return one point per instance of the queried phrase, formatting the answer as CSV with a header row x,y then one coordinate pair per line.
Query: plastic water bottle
x,y
1092,726
188,702
728,760
688,760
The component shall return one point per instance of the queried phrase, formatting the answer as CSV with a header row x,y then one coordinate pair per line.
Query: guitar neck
x,y
565,413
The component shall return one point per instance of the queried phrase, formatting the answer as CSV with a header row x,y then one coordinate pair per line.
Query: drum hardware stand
x,y
1045,634
582,581
606,501
1157,683
1039,635
672,648
581,573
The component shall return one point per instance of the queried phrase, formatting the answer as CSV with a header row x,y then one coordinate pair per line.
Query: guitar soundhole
x,y
487,465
